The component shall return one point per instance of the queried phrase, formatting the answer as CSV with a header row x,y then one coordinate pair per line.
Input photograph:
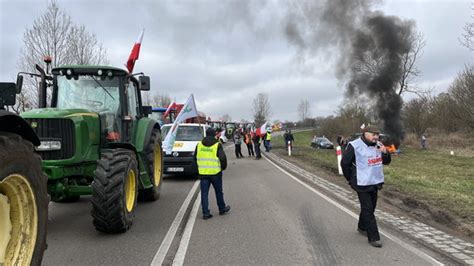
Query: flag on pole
x,y
189,111
135,52
168,110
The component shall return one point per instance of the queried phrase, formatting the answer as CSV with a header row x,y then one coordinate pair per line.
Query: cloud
x,y
225,52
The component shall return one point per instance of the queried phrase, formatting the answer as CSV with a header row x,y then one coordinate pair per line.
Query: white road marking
x,y
354,215
183,245
165,245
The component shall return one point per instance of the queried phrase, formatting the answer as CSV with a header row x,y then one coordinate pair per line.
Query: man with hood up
x,y
362,165
211,161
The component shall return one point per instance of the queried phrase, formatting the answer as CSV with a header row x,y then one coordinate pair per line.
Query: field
x,y
432,179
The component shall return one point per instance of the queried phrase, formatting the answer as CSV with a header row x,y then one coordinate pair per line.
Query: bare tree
x,y
419,115
226,118
304,110
409,71
261,109
54,34
461,95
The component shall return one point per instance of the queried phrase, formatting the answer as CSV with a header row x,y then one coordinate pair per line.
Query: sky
x,y
226,52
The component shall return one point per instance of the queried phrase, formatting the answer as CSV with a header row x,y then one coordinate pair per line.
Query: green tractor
x,y
96,139
23,195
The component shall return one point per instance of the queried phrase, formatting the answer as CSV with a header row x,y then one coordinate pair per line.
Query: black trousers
x,y
238,151
257,150
250,149
367,222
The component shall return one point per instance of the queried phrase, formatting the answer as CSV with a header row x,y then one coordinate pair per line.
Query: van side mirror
x,y
19,83
144,83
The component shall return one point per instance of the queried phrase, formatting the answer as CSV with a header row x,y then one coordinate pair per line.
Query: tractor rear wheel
x,y
154,160
114,191
23,202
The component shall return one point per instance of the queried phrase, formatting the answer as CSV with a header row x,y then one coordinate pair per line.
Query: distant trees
x,y
54,34
448,112
157,100
226,118
304,110
261,109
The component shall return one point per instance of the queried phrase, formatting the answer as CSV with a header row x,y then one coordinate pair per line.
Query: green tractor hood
x,y
58,113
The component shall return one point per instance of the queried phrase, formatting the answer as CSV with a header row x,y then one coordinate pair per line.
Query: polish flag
x,y
168,110
135,52
262,130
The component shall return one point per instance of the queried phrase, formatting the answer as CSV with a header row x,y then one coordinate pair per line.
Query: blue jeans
x,y
216,181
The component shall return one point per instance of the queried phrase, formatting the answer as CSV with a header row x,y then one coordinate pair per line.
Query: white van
x,y
181,160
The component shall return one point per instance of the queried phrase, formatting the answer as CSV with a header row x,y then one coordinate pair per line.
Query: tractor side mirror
x,y
144,83
146,110
19,83
7,94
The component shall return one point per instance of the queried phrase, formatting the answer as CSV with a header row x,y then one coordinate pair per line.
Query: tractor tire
x,y
114,191
23,202
154,161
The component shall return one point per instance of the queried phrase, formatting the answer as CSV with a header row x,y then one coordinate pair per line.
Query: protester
x,y
249,143
288,136
267,141
211,161
256,142
238,144
362,165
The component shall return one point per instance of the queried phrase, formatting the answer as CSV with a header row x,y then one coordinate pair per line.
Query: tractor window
x,y
90,93
132,100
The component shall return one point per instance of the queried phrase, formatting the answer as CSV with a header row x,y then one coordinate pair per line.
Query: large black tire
x,y
109,191
153,149
20,173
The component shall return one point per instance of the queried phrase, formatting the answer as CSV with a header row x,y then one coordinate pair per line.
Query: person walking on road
x,y
238,144
256,142
362,165
248,142
211,161
267,141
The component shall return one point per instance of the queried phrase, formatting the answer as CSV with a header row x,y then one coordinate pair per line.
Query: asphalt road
x,y
274,220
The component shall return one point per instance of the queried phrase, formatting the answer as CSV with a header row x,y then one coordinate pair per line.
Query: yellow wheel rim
x,y
157,165
130,190
18,221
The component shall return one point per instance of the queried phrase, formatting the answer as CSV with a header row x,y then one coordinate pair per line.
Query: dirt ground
x,y
396,202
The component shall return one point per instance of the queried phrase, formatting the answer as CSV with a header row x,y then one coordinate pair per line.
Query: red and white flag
x,y
135,52
262,130
170,107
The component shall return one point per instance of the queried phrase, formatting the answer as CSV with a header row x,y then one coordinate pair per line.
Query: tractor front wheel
x,y
154,160
114,191
23,203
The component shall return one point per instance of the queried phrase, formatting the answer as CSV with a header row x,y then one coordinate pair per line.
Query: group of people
x,y
362,165
253,141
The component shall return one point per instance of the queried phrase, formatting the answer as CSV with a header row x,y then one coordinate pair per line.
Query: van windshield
x,y
185,133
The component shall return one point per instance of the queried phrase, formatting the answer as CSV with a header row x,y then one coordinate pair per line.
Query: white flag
x,y
189,111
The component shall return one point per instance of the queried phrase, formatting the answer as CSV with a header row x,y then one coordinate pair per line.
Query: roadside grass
x,y
430,176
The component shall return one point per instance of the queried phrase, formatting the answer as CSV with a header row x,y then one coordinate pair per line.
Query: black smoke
x,y
370,47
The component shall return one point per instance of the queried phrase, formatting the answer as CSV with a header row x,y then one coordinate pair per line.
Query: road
x,y
274,220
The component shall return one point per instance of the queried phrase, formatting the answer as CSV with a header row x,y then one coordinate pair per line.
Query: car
x,y
181,159
321,143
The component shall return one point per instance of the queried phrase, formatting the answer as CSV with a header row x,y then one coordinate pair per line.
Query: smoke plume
x,y
370,48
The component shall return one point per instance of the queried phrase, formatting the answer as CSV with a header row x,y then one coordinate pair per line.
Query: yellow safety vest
x,y
269,136
207,160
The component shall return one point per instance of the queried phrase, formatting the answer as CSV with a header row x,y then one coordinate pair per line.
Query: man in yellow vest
x,y
211,161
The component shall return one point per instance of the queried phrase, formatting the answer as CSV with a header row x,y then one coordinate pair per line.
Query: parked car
x,y
321,143
181,159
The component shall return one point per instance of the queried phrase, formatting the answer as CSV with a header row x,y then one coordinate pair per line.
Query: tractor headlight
x,y
49,145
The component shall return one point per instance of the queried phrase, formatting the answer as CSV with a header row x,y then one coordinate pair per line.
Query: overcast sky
x,y
225,52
